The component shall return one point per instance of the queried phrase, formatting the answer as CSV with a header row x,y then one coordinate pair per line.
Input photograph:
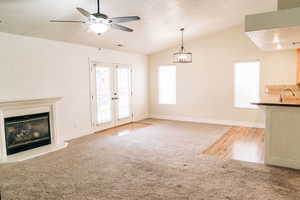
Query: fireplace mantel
x,y
22,102
21,107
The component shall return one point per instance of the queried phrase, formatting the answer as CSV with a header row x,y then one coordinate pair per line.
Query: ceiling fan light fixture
x,y
182,56
99,28
100,23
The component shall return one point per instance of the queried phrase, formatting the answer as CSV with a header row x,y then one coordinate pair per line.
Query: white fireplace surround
x,y
21,107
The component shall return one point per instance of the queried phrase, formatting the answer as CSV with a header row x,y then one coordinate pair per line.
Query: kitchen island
x,y
282,134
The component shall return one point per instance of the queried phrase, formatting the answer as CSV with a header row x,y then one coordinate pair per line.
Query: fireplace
x,y
27,132
26,124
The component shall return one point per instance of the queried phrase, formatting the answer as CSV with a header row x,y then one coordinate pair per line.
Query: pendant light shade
x,y
182,56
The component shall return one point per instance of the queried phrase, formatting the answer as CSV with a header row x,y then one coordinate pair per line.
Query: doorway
x,y
111,95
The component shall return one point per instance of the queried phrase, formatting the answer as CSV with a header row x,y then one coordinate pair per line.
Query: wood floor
x,y
125,129
240,143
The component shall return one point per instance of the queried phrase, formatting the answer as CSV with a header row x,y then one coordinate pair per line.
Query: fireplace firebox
x,y
27,132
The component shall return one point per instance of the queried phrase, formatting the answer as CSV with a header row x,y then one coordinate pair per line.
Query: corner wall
x,y
205,87
32,68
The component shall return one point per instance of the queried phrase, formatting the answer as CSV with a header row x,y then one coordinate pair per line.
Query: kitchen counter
x,y
290,101
277,103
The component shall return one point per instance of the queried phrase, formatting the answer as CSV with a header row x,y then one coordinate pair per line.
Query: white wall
x,y
205,87
31,67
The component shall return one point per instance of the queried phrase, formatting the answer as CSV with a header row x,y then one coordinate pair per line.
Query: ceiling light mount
x,y
182,56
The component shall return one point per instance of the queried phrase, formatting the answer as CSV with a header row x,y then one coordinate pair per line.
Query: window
x,y
167,84
246,84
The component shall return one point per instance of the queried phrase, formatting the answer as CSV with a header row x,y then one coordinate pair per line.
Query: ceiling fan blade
x,y
124,19
84,12
68,21
122,28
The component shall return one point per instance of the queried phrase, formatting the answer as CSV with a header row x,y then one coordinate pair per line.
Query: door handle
x,y
114,98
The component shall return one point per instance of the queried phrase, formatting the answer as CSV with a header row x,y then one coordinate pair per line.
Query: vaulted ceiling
x,y
158,29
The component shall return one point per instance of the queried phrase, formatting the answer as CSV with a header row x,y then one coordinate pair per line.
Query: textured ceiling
x,y
157,30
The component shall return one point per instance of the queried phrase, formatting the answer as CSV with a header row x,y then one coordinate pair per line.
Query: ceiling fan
x,y
99,22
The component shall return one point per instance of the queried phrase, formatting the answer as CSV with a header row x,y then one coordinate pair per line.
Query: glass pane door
x,y
124,92
111,95
104,87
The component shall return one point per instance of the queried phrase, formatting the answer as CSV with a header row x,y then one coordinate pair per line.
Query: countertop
x,y
292,102
274,100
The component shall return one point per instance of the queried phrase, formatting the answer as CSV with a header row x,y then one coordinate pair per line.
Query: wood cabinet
x,y
298,67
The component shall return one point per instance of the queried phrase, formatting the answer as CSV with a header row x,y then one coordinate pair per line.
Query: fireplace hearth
x,y
27,132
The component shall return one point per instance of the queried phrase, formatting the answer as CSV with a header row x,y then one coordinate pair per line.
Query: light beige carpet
x,y
155,162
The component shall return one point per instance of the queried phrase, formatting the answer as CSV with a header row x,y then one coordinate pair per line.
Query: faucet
x,y
286,89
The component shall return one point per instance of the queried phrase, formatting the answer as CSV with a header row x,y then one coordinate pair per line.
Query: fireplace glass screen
x,y
27,132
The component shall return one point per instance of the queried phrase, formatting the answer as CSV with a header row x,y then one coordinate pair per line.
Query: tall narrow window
x,y
246,84
167,84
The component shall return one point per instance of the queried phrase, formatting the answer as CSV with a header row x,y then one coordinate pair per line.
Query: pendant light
x,y
182,56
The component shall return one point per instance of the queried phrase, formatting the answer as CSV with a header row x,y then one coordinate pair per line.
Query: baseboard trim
x,y
90,131
178,118
80,134
209,121
140,117
275,161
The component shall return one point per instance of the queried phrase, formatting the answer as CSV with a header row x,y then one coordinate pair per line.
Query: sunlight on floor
x,y
125,129
240,143
246,151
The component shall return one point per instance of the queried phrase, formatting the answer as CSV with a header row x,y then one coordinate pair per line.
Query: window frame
x,y
251,107
158,81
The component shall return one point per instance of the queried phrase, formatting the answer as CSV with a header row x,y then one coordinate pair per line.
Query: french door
x,y
111,95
